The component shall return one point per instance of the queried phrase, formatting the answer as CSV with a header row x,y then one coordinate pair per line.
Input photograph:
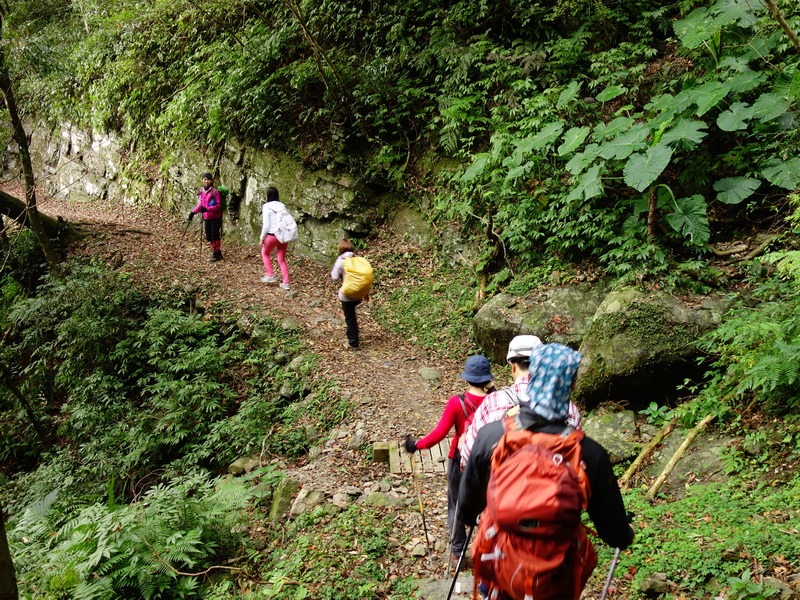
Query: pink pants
x,y
267,246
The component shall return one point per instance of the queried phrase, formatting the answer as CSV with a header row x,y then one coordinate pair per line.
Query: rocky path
x,y
381,378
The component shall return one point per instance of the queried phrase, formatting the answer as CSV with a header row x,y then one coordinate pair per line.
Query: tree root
x,y
651,493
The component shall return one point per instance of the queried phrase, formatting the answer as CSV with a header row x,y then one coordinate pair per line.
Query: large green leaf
x,y
605,131
768,107
573,139
735,118
794,86
581,160
739,12
475,169
643,169
746,81
732,190
689,218
708,95
519,171
622,146
785,174
589,186
568,94
685,129
547,135
611,92
697,27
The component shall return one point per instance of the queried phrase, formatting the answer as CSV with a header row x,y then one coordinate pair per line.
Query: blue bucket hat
x,y
477,369
553,370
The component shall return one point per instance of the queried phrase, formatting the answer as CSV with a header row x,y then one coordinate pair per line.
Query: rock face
x,y
86,165
637,346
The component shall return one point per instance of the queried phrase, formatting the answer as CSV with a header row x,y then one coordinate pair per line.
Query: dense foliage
x,y
118,410
625,133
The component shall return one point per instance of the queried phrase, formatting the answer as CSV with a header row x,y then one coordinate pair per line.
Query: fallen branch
x,y
651,493
644,454
759,249
733,250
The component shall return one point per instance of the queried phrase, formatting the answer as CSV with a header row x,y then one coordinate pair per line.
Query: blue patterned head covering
x,y
553,370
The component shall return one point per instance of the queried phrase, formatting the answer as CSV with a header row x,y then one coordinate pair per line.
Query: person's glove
x,y
190,217
411,445
203,209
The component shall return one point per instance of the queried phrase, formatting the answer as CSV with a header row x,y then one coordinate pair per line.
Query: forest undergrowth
x,y
150,400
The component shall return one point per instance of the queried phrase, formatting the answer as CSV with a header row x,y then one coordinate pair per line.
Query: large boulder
x,y
560,314
641,345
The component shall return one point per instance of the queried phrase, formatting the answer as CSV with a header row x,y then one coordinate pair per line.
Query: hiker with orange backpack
x,y
355,273
457,414
529,478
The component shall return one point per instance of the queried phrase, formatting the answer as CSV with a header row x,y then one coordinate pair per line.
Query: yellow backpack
x,y
357,277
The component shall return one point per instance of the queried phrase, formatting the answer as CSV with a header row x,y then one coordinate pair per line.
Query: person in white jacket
x,y
269,220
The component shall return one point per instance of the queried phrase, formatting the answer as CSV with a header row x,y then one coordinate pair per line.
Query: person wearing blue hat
x,y
457,414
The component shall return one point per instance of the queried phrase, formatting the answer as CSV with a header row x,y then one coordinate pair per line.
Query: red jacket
x,y
452,416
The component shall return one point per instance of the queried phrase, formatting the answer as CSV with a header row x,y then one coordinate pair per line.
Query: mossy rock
x,y
640,346
559,314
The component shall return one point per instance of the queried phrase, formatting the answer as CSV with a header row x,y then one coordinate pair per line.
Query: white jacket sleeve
x,y
266,221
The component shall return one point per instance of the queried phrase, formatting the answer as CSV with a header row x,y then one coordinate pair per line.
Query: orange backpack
x,y
531,543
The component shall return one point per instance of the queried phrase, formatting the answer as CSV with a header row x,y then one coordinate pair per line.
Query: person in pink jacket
x,y
457,414
209,204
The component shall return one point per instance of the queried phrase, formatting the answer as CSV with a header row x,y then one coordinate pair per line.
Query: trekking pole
x,y
183,235
450,541
419,497
460,562
610,575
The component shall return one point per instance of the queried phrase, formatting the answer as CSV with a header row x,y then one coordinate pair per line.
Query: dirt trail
x,y
381,378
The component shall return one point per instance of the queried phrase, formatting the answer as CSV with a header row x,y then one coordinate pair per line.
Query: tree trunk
x,y
8,579
14,208
651,214
21,139
34,420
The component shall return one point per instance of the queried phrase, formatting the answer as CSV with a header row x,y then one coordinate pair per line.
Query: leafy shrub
x,y
148,549
754,352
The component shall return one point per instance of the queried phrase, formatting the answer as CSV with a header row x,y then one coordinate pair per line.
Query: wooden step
x,y
431,460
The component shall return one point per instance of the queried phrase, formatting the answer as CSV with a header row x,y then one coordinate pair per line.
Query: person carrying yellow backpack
x,y
355,272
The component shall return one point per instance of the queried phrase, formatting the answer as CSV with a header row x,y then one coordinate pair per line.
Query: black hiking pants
x,y
213,229
455,526
349,310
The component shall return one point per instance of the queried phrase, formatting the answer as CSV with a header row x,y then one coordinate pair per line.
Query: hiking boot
x,y
352,346
465,565
268,279
218,254
213,257
284,286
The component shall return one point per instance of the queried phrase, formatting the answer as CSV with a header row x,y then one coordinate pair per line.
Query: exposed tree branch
x,y
15,391
16,209
24,153
776,12
651,493
623,481
8,578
